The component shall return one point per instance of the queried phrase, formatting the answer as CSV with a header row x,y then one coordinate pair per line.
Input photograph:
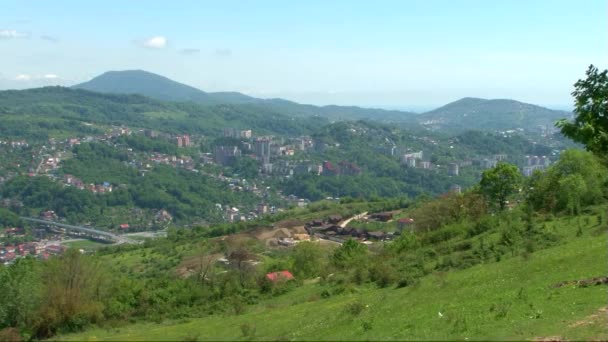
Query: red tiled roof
x,y
275,276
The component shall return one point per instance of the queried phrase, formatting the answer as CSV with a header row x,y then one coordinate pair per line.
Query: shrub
x,y
355,308
248,330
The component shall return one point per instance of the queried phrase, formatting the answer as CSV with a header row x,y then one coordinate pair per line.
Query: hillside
x,y
510,300
161,88
457,267
480,114
38,112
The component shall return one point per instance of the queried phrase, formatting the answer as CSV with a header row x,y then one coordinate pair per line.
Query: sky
x,y
394,54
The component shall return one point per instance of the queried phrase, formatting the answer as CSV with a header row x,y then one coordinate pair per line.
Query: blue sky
x,y
402,54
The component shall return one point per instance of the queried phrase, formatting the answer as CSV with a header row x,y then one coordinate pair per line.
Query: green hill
x,y
514,299
161,88
34,113
480,114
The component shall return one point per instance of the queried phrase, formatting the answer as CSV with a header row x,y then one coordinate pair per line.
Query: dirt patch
x,y
549,339
583,282
192,264
289,223
277,233
600,317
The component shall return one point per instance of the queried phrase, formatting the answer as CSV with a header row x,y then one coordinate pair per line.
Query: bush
x,y
248,330
355,308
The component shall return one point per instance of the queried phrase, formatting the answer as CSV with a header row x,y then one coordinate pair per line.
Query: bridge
x,y
91,232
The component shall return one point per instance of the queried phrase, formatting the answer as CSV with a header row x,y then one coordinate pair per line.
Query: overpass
x,y
92,232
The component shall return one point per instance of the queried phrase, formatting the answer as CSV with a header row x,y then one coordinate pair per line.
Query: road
x,y
347,221
118,239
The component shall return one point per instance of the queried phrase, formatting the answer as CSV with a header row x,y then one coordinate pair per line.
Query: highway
x,y
118,239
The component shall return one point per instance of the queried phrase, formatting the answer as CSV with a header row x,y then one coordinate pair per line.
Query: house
x,y
405,222
334,219
376,235
124,226
384,217
55,249
279,276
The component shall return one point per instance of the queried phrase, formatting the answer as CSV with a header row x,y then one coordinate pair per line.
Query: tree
x,y
590,126
500,182
350,253
573,187
73,293
308,259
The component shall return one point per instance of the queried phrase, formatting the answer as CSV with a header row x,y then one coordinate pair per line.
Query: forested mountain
x,y
43,111
161,88
481,114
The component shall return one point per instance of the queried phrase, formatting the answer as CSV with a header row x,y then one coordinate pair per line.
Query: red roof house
x,y
282,275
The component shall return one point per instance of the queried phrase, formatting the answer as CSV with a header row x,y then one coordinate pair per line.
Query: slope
x,y
514,299
27,111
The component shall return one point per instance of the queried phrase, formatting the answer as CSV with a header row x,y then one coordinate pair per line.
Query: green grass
x,y
87,245
509,300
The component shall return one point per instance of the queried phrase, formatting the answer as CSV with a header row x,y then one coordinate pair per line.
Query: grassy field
x,y
87,245
510,300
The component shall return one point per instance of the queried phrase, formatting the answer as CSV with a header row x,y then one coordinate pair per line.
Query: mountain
x,y
43,112
481,114
157,87
162,88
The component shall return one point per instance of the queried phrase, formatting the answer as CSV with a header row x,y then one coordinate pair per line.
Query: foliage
x,y
590,125
577,179
500,182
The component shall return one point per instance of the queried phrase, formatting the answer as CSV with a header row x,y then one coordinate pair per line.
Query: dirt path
x,y
356,217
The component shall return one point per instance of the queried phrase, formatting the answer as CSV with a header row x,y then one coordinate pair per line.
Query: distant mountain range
x,y
161,88
464,114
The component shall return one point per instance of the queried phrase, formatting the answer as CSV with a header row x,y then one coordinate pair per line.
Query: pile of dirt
x,y
596,318
549,339
583,282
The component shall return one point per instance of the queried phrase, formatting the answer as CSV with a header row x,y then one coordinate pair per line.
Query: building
x,y
404,223
453,169
246,134
225,155
410,162
231,133
262,209
457,189
279,276
262,149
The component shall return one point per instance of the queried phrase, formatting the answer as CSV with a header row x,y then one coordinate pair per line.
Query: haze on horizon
x,y
392,54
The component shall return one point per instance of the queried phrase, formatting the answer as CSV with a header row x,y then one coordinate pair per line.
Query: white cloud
x,y
23,77
157,42
50,76
12,34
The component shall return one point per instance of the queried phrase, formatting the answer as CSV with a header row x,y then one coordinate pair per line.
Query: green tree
x,y
590,125
350,253
573,187
500,182
308,259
